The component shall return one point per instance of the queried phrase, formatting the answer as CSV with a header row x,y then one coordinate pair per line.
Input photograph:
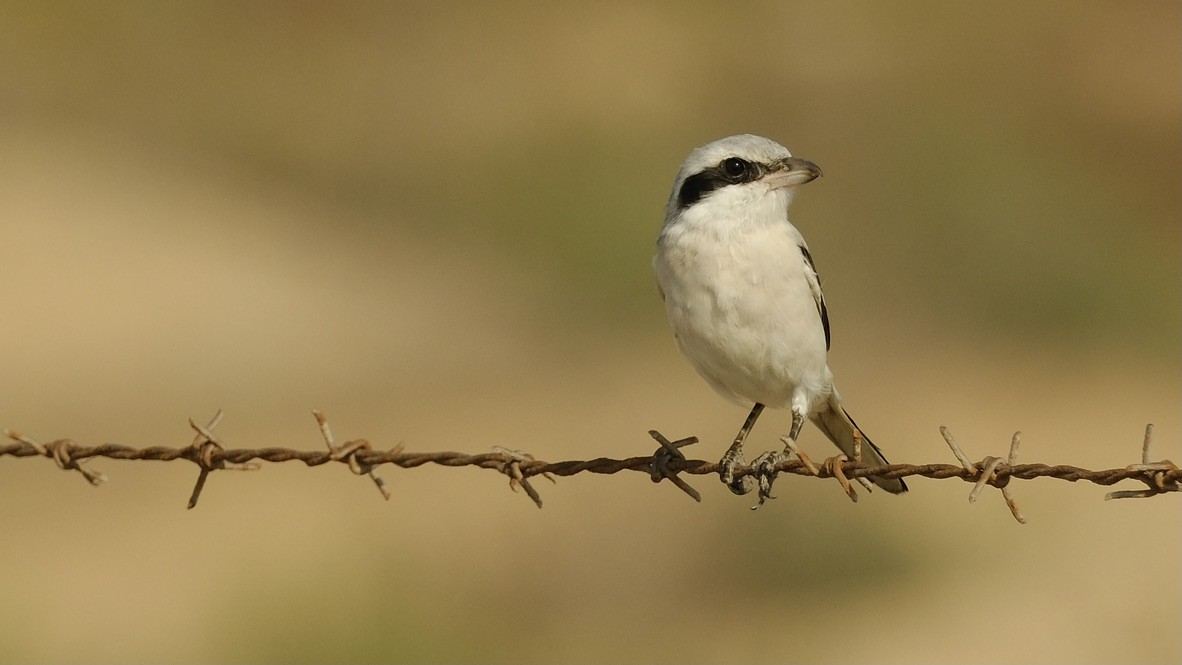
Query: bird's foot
x,y
765,474
726,471
791,448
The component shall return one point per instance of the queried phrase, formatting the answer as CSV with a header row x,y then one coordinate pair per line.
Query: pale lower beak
x,y
793,171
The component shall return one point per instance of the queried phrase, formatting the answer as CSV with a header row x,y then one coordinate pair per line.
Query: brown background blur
x,y
435,222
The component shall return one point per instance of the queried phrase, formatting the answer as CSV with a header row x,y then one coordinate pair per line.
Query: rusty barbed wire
x,y
210,454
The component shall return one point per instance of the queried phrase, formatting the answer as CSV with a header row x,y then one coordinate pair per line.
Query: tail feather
x,y
837,424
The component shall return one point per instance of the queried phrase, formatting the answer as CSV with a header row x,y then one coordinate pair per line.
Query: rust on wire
x,y
517,480
347,453
1160,476
208,453
989,471
833,466
60,452
667,462
669,451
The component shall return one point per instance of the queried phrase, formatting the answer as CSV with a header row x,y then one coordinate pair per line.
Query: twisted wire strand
x,y
598,465
665,463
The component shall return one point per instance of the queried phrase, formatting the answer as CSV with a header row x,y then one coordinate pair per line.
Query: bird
x,y
742,294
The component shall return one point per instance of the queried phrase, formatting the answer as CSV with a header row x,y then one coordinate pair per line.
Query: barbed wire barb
x,y
666,462
59,452
204,451
1154,474
518,480
347,453
989,471
865,482
833,466
951,441
671,450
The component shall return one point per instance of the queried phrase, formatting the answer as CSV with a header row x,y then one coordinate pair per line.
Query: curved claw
x,y
765,474
741,486
726,472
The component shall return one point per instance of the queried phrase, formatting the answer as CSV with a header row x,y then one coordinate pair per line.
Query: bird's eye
x,y
734,167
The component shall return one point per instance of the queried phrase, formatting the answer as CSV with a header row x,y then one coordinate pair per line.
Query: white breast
x,y
740,304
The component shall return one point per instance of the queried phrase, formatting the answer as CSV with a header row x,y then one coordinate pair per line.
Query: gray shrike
x,y
744,299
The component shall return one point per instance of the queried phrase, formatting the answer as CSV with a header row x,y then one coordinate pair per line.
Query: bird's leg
x,y
765,464
789,441
797,423
734,456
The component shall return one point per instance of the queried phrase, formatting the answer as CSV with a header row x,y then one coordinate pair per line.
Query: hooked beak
x,y
792,171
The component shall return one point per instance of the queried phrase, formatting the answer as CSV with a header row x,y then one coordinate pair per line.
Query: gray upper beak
x,y
792,171
802,167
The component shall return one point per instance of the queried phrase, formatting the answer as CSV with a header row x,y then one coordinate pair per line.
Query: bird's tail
x,y
837,424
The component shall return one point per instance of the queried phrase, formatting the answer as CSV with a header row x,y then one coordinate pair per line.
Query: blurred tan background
x,y
435,222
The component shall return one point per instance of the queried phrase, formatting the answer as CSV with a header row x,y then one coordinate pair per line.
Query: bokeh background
x,y
434,221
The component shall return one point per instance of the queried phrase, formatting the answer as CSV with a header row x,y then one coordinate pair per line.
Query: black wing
x,y
818,296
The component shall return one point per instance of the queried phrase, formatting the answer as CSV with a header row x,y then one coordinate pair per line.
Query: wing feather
x,y
815,286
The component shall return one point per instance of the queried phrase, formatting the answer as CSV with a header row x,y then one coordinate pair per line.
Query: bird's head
x,y
736,178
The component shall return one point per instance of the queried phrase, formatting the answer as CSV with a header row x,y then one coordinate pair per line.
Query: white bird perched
x,y
743,296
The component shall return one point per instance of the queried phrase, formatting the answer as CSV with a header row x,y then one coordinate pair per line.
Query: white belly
x,y
745,316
